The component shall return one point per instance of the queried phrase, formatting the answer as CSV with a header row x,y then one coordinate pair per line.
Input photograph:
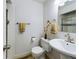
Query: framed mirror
x,y
67,17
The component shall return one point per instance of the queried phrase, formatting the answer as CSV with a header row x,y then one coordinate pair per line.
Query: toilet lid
x,y
37,50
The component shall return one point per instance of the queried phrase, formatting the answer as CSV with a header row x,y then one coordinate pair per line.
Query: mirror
x,y
67,16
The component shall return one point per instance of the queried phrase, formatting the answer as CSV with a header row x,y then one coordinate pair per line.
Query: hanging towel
x,y
22,27
54,28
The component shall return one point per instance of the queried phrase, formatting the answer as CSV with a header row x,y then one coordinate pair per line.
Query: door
x,y
8,48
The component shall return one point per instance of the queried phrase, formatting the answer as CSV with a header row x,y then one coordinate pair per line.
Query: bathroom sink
x,y
63,47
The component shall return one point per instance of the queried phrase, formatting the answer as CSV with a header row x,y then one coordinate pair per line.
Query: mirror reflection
x,y
67,16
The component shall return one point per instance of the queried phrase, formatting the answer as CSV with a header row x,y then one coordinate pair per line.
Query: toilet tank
x,y
45,45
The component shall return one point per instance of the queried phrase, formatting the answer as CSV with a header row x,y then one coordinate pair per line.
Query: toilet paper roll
x,y
33,39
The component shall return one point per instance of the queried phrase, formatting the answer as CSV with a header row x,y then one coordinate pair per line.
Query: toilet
x,y
39,52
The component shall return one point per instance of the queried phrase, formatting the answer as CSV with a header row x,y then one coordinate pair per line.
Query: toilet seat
x,y
37,50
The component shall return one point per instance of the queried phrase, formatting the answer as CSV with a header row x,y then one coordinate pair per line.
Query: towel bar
x,y
25,23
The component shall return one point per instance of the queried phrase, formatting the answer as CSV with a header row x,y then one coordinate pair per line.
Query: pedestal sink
x,y
63,47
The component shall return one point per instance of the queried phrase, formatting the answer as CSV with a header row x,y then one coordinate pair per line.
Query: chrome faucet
x,y
69,38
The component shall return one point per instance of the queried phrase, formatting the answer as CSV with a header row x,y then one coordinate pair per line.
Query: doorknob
x,y
6,47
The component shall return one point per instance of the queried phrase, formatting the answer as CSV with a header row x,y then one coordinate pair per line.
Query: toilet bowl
x,y
38,52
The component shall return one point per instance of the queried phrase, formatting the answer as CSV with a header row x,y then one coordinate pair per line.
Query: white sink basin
x,y
63,47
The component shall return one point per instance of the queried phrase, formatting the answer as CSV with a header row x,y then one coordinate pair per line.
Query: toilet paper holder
x,y
32,39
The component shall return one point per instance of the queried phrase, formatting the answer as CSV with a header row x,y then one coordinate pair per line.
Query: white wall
x,y
50,10
28,11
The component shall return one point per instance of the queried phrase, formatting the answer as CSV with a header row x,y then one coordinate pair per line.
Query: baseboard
x,y
22,55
